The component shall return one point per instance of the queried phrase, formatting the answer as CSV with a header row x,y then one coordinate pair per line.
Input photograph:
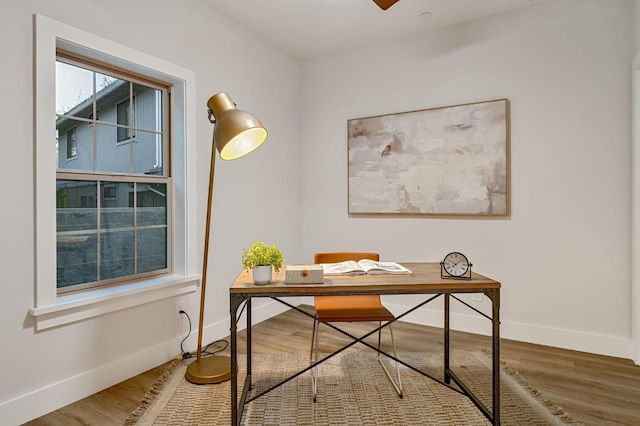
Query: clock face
x,y
456,264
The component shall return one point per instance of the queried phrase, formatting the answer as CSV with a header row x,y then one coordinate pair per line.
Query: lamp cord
x,y
205,351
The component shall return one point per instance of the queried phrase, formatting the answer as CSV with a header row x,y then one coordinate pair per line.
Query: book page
x,y
342,268
373,267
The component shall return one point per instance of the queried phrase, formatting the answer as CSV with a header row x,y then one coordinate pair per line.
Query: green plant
x,y
260,254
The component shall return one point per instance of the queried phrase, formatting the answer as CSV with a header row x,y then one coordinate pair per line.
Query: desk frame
x,y
425,279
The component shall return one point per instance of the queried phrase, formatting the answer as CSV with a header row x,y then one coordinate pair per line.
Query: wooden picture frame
x,y
448,161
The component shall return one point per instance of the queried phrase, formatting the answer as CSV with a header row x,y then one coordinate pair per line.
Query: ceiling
x,y
309,28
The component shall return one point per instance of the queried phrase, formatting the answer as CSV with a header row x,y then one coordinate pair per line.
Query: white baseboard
x,y
556,337
54,396
569,339
57,395
260,312
41,401
474,323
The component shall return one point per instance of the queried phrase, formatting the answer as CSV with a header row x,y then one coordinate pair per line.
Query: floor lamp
x,y
235,134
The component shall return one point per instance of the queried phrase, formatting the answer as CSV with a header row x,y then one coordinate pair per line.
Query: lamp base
x,y
211,369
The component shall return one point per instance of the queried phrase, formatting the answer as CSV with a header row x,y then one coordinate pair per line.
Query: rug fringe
x,y
164,382
553,408
152,394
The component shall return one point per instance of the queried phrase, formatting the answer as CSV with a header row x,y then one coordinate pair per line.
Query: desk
x,y
425,279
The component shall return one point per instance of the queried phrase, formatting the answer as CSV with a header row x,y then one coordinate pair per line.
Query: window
x,y
71,143
119,225
113,239
123,111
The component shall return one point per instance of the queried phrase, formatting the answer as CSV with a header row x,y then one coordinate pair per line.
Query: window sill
x,y
125,142
88,304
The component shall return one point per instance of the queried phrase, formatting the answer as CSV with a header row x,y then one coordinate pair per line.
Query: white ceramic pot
x,y
262,274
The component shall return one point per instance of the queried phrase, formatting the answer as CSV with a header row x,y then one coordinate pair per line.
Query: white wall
x,y
42,371
563,256
637,21
635,263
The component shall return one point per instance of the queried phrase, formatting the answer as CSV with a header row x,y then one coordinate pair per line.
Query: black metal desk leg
x,y
235,302
249,357
494,295
496,359
447,378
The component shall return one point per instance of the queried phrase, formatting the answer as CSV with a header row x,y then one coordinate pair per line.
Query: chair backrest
x,y
351,301
341,256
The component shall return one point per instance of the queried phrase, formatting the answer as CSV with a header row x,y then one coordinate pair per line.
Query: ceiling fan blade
x,y
385,4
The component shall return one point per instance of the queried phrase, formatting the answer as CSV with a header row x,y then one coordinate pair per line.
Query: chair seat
x,y
351,308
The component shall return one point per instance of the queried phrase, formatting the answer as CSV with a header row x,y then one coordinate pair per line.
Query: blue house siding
x,y
130,234
112,155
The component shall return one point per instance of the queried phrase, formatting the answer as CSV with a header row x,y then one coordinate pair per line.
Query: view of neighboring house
x,y
102,205
113,132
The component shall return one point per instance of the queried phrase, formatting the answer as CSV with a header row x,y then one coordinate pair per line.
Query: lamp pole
x,y
235,134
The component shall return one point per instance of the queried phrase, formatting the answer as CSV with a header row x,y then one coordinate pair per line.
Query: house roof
x,y
107,96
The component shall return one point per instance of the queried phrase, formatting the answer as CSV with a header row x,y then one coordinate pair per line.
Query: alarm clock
x,y
455,265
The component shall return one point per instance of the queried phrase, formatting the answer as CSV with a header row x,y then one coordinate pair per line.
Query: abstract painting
x,y
447,161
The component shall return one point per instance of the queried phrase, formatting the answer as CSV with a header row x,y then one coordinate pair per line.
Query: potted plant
x,y
261,260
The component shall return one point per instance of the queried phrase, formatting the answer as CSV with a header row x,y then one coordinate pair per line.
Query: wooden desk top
x,y
425,278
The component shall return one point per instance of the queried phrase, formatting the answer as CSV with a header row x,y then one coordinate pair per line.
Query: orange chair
x,y
358,308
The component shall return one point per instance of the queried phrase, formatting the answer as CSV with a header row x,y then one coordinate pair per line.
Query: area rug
x,y
352,390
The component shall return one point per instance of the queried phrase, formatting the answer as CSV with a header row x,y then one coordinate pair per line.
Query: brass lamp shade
x,y
237,132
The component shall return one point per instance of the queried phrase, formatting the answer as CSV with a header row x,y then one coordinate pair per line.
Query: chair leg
x,y
313,357
398,386
314,343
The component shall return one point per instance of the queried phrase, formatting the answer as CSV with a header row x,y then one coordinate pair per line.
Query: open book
x,y
364,266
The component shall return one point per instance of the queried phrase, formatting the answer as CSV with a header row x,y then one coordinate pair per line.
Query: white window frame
x,y
51,309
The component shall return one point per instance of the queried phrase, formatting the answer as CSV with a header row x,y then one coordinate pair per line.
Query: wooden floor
x,y
594,389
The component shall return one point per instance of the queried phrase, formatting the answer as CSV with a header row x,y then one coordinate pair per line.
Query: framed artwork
x,y
448,161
